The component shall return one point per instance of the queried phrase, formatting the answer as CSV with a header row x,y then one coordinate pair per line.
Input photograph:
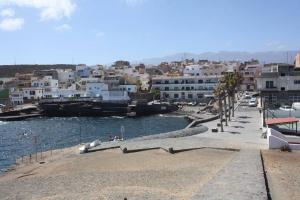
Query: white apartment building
x,y
185,88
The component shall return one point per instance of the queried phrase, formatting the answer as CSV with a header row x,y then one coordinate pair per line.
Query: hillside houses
x,y
187,80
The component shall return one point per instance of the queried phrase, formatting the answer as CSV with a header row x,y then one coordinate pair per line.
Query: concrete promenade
x,y
223,165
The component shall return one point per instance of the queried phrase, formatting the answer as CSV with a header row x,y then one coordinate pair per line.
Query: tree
x,y
219,94
156,94
232,82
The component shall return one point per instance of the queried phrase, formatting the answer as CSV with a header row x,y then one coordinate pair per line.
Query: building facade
x,y
279,84
185,88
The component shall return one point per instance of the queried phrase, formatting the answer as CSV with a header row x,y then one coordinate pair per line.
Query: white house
x,y
64,93
47,83
115,95
33,93
65,78
193,70
16,97
95,89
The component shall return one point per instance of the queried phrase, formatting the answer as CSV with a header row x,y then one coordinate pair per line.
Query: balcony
x,y
269,89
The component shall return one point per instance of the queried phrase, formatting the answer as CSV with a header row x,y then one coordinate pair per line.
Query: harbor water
x,y
41,134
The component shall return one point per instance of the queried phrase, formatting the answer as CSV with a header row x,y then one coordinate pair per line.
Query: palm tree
x,y
232,81
225,82
219,94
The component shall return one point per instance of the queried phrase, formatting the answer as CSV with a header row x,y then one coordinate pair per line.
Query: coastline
x,y
187,131
153,167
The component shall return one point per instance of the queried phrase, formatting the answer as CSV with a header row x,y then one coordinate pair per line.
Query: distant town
x,y
179,81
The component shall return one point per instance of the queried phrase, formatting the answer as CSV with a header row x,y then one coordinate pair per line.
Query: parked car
x,y
252,102
2,105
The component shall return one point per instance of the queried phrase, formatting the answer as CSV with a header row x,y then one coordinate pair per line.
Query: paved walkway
x,y
242,178
243,130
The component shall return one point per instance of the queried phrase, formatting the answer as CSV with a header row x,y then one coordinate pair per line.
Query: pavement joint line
x,y
265,177
170,150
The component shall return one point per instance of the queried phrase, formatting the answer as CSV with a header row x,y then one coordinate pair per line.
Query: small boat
x,y
296,105
286,108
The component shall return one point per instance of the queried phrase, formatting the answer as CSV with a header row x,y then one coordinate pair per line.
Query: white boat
x,y
296,106
286,108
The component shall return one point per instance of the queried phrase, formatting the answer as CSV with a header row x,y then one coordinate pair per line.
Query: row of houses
x,y
187,80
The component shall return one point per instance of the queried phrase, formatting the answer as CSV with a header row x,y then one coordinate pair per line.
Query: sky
x,y
103,31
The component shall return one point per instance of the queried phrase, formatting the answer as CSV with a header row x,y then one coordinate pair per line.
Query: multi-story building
x,y
249,72
185,88
65,78
32,93
47,83
279,84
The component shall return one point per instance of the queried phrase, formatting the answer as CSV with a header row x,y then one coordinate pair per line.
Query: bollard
x,y
124,150
171,150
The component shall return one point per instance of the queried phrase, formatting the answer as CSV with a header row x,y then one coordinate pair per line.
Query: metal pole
x,y
264,114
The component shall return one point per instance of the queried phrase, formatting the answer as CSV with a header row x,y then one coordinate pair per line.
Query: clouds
x,y
9,22
62,28
275,45
134,2
48,9
8,12
100,34
12,24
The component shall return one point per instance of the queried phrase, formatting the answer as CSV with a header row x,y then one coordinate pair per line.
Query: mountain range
x,y
263,57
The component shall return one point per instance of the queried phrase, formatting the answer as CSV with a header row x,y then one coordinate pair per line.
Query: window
x,y
200,81
166,88
32,92
200,95
282,74
296,81
282,88
269,84
166,82
187,88
176,81
190,96
176,96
